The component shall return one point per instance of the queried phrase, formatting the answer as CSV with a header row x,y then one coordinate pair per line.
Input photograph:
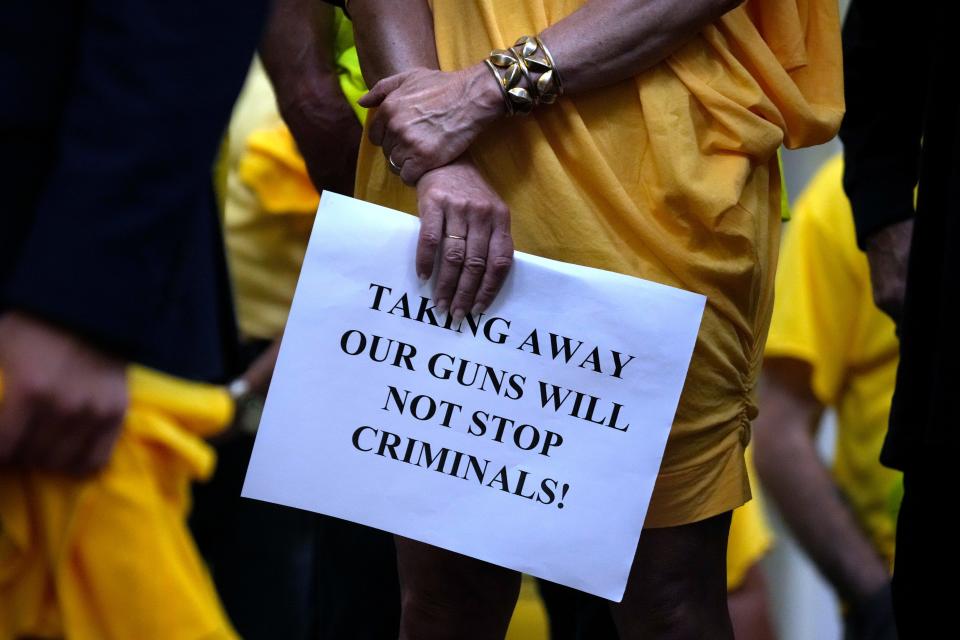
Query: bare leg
x,y
678,585
446,595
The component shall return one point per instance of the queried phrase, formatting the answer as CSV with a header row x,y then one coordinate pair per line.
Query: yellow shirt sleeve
x,y
819,293
348,64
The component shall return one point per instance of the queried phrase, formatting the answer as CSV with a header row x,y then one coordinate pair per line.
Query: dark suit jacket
x,y
903,127
111,115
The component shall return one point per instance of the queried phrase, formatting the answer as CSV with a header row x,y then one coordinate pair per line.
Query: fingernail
x,y
442,306
478,309
458,315
423,277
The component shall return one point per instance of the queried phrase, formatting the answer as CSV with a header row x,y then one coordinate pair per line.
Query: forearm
x,y
393,36
603,42
297,53
607,41
806,496
429,118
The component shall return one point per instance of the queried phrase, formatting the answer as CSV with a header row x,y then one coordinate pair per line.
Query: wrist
x,y
483,91
463,168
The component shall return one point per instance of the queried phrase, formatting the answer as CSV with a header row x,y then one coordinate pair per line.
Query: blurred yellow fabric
x,y
529,621
348,63
825,316
110,557
273,167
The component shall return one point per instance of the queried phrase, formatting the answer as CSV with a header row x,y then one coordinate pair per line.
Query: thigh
x,y
678,583
448,595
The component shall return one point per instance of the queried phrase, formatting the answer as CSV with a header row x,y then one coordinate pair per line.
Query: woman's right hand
x,y
466,224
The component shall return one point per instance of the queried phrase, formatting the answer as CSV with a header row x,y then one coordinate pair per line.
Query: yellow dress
x,y
671,176
110,557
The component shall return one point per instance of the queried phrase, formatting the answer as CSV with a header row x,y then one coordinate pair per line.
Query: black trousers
x,y
287,574
926,574
575,615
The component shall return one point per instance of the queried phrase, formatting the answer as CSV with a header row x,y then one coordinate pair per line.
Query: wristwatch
x,y
248,406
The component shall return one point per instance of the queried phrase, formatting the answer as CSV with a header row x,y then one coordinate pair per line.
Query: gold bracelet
x,y
528,56
537,59
505,67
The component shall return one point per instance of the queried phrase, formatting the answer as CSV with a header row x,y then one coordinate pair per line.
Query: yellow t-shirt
x,y
825,316
671,176
270,199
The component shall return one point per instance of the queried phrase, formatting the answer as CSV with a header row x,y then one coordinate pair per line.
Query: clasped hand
x,y
425,118
425,122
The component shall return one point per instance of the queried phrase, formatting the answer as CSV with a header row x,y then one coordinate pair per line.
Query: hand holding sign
x,y
466,224
528,435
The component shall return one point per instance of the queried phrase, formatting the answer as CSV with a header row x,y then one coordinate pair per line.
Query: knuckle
x,y
439,195
486,293
500,265
430,238
482,208
475,265
423,148
454,256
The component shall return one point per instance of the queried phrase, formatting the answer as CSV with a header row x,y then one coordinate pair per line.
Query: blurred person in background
x,y
283,572
829,346
111,114
902,132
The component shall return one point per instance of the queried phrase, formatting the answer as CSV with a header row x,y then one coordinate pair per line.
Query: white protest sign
x,y
529,437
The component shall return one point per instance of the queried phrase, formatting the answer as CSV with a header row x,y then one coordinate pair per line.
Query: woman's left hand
x,y
426,118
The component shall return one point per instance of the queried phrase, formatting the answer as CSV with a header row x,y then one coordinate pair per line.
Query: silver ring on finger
x,y
396,168
454,236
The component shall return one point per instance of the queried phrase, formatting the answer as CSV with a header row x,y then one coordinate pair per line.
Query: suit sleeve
x,y
146,111
883,51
